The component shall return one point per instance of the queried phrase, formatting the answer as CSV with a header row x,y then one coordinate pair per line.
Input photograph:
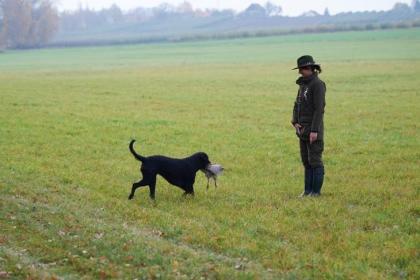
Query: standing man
x,y
308,115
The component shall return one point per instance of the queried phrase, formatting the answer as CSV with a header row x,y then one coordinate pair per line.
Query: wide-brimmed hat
x,y
304,61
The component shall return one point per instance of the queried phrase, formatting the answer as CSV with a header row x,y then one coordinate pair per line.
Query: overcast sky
x,y
290,7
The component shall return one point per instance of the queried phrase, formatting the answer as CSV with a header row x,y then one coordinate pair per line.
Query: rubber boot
x,y
318,180
308,182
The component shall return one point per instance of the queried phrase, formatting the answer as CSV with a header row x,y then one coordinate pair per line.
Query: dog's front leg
x,y
188,193
189,190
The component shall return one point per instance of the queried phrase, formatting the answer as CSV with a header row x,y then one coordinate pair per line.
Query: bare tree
x,y
16,22
273,9
27,23
45,22
415,5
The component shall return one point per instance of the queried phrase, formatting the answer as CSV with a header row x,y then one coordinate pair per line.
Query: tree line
x,y
85,19
33,23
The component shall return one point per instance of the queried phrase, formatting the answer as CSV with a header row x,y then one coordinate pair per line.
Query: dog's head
x,y
202,160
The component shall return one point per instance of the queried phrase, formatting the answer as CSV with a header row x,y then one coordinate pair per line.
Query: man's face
x,y
305,71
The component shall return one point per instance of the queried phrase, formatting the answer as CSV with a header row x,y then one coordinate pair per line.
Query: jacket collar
x,y
306,80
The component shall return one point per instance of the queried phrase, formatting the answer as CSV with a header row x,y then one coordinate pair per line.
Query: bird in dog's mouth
x,y
211,172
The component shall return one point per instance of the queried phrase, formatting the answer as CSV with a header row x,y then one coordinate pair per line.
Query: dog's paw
x,y
130,197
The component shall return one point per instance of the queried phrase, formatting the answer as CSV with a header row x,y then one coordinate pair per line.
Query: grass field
x,y
67,116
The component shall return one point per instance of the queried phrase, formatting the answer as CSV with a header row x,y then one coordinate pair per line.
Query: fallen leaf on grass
x,y
158,233
99,235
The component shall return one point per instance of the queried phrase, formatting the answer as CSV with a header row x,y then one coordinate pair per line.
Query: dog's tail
x,y
136,155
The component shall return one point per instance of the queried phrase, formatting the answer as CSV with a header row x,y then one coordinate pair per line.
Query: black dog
x,y
178,172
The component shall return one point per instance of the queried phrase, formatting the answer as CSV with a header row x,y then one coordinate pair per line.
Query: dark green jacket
x,y
309,106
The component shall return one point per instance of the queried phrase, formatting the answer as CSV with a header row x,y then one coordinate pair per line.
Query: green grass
x,y
67,116
359,47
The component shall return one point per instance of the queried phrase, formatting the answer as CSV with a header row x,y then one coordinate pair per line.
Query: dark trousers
x,y
311,154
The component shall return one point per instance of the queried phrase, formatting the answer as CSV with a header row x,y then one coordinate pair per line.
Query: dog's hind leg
x,y
137,185
152,188
215,182
208,182
148,179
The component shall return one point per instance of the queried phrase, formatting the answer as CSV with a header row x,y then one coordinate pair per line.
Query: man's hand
x,y
297,127
313,136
